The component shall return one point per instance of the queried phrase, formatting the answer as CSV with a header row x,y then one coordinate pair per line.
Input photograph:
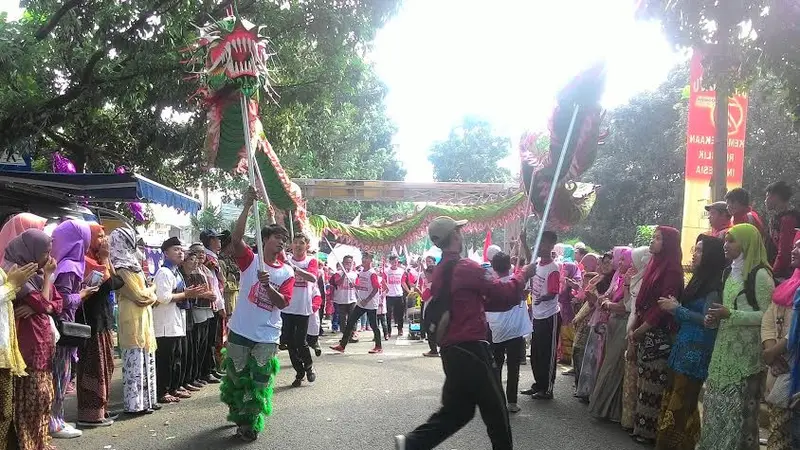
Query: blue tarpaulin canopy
x,y
103,187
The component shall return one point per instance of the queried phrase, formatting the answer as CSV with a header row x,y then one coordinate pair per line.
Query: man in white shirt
x,y
344,291
398,281
169,323
367,287
295,316
266,287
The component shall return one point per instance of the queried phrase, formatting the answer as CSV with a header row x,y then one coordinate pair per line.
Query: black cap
x,y
171,242
207,235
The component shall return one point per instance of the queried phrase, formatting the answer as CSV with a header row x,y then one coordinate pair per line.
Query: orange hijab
x,y
92,254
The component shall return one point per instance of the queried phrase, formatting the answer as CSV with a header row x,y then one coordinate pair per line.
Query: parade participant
x,y
250,360
136,334
381,311
71,239
509,329
367,286
314,320
546,321
395,297
470,377
344,292
95,365
719,218
426,295
295,317
35,302
169,322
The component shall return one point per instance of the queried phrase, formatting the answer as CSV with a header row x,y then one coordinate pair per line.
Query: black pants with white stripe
x,y
543,353
470,380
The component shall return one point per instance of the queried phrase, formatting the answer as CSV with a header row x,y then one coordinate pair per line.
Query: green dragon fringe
x,y
236,387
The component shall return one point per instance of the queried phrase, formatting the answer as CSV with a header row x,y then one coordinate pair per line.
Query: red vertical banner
x,y
486,244
702,128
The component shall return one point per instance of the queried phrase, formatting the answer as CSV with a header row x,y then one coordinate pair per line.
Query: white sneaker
x,y
513,408
67,432
400,442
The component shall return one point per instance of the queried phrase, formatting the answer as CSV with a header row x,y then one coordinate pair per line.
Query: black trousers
x,y
296,327
344,310
510,349
199,339
470,380
312,341
188,356
382,322
209,361
351,325
543,352
396,308
169,361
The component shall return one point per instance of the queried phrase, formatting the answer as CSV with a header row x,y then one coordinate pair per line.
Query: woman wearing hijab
x,y
35,301
774,331
588,324
640,257
96,358
136,333
735,381
12,364
605,401
571,279
16,225
679,423
71,239
663,277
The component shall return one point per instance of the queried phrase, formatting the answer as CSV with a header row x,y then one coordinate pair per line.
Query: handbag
x,y
73,334
779,395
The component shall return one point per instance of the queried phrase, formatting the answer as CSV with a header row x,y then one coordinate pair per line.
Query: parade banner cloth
x,y
700,134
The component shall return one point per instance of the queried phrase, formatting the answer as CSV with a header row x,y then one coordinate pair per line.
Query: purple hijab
x,y
71,239
24,249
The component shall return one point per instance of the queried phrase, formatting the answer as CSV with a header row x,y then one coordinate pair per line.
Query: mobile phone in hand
x,y
95,279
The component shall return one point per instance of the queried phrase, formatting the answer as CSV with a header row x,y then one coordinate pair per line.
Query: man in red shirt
x,y
719,218
781,228
470,377
738,201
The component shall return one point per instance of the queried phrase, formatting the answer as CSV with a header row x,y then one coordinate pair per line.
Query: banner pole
x,y
556,178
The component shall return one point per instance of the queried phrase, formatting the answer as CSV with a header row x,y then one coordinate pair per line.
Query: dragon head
x,y
233,54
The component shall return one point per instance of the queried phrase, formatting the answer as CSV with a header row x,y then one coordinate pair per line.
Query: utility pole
x,y
718,183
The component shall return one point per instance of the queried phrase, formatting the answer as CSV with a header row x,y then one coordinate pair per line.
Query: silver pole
x,y
556,177
251,174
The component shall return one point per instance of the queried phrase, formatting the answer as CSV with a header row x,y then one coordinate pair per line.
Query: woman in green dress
x,y
735,381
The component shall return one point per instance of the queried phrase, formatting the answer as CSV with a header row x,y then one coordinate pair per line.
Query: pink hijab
x,y
17,225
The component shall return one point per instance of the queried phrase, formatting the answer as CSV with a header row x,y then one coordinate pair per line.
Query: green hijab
x,y
749,238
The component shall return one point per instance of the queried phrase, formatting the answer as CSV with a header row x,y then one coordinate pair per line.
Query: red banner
x,y
702,128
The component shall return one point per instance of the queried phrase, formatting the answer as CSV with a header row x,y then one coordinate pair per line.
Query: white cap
x,y
491,251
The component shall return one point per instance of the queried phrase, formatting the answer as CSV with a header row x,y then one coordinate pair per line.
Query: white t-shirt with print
x,y
366,282
510,324
346,292
394,279
255,317
302,294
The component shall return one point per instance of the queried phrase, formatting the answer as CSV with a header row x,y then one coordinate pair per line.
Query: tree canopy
x,y
104,83
470,154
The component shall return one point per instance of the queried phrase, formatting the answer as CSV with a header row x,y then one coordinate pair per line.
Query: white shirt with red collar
x,y
302,294
256,317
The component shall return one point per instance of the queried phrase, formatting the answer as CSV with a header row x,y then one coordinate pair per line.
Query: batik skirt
x,y
629,396
679,423
94,370
730,414
33,399
138,380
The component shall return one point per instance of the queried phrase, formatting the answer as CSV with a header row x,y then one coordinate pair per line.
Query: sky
x,y
503,61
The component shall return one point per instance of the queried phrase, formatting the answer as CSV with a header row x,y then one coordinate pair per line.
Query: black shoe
x,y
542,396
528,392
317,351
283,347
246,434
297,382
211,379
200,383
311,376
218,374
143,412
156,407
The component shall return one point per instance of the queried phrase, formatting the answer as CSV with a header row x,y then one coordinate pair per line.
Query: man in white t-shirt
x,y
367,292
266,287
399,282
295,316
545,286
344,291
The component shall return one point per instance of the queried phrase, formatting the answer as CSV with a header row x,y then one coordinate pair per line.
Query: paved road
x,y
359,401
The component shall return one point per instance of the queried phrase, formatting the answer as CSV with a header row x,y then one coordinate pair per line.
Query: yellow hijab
x,y
749,238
